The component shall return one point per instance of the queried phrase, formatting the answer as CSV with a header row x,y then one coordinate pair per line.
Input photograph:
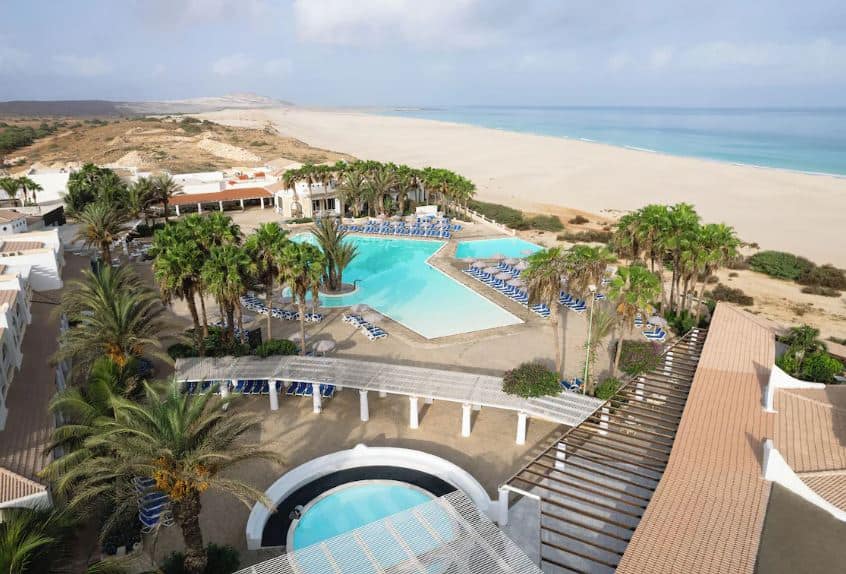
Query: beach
x,y
777,209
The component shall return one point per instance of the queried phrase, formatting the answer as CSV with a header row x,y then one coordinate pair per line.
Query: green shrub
x,y
606,389
144,230
820,290
301,220
820,367
638,357
780,264
681,322
546,223
503,214
825,276
587,236
221,560
181,351
725,293
276,347
531,380
579,220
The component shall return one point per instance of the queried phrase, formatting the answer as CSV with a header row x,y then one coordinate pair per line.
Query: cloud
x,y
82,66
232,65
618,61
11,59
660,57
278,67
430,23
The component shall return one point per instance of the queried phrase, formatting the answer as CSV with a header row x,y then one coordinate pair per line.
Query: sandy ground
x,y
778,209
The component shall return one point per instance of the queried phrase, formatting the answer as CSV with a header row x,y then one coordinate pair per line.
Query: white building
x,y
315,200
12,222
15,298
53,181
39,251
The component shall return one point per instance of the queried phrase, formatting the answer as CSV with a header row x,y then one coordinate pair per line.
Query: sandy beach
x,y
777,209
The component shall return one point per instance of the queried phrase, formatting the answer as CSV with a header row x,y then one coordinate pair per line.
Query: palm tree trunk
x,y
618,352
269,305
301,306
230,321
555,316
186,512
240,314
192,306
699,301
203,308
164,207
107,254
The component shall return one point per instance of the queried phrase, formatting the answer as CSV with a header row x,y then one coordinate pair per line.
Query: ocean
x,y
806,140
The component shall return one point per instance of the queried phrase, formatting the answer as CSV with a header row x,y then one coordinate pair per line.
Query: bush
x,y
824,276
638,357
606,389
144,230
301,220
587,236
780,264
725,293
681,322
546,223
820,290
531,380
222,560
712,279
579,220
181,351
820,367
503,214
276,347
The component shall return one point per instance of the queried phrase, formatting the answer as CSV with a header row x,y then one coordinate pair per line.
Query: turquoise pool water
x,y
485,248
353,506
393,277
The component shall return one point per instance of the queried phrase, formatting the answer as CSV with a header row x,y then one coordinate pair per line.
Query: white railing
x,y
481,218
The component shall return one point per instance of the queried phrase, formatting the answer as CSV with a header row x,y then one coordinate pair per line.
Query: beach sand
x,y
778,209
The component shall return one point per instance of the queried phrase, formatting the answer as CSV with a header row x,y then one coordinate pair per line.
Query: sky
x,y
743,53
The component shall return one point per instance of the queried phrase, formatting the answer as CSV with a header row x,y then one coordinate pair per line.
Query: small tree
x,y
531,380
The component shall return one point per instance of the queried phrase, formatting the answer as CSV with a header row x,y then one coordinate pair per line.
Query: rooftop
x,y
15,246
7,215
225,195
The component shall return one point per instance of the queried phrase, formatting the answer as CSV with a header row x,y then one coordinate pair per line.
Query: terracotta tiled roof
x,y
831,486
225,195
708,511
811,429
7,215
12,246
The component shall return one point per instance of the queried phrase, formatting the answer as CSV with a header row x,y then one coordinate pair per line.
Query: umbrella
x,y
504,275
478,264
511,261
497,256
359,308
521,265
324,346
491,270
656,320
515,283
372,317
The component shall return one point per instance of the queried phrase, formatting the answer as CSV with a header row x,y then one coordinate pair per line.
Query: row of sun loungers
x,y
258,387
307,389
402,230
256,305
515,293
574,385
153,505
652,333
369,329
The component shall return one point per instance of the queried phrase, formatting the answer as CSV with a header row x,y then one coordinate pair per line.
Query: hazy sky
x,y
429,52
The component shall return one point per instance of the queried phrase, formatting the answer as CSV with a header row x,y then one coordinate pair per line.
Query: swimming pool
x,y
393,277
485,248
350,506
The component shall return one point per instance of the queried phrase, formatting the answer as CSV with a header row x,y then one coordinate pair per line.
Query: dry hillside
x,y
176,144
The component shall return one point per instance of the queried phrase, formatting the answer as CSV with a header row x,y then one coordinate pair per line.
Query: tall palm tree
x,y
681,232
11,186
33,539
101,225
226,274
301,268
543,282
187,443
330,237
352,191
264,247
139,196
718,245
114,315
605,323
633,290
381,183
162,188
28,185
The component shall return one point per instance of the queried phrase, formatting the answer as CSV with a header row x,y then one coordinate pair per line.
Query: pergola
x,y
447,534
240,194
471,390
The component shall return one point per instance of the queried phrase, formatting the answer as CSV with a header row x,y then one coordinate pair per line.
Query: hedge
x,y
780,264
638,357
531,380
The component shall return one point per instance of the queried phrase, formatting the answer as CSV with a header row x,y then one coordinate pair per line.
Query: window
x,y
330,203
315,205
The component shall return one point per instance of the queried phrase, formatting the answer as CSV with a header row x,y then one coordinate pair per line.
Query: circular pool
x,y
350,506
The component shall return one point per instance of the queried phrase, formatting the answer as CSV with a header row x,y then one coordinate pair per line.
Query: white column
x,y
274,398
413,413
639,389
560,455
261,199
382,394
668,363
502,507
315,397
220,205
465,419
177,209
521,428
242,204
603,421
224,388
364,407
199,208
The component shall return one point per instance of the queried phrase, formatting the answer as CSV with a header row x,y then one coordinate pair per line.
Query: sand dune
x,y
778,209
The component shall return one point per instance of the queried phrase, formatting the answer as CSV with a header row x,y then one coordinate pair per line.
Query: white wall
x,y
14,226
55,185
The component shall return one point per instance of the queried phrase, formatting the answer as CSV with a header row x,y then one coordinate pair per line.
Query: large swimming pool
x,y
487,248
394,278
351,506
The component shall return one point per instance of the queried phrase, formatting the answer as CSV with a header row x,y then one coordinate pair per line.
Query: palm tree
x,y
263,248
226,274
634,290
177,268
381,183
139,197
405,183
32,539
27,185
543,281
101,225
162,188
301,268
604,325
718,244
681,232
330,237
352,191
113,314
11,186
187,443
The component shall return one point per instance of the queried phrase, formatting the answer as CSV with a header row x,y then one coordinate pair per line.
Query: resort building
x,y
15,298
39,251
12,222
53,181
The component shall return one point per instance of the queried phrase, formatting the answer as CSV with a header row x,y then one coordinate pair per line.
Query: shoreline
x,y
779,209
